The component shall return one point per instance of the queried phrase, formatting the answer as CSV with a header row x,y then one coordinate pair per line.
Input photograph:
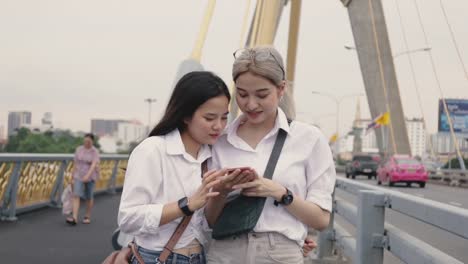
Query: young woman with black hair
x,y
163,180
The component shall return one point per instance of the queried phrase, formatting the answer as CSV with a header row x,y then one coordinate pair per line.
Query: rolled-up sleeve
x,y
139,213
321,174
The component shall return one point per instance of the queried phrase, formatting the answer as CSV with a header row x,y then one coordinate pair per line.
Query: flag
x,y
381,120
372,125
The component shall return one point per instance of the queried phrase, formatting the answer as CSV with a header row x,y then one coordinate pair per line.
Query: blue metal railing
x,y
374,235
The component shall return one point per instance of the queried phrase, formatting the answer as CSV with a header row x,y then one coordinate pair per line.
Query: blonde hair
x,y
264,61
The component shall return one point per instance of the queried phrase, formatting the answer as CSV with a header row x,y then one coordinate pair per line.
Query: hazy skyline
x,y
100,59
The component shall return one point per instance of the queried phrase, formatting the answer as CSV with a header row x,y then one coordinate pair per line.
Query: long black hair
x,y
191,91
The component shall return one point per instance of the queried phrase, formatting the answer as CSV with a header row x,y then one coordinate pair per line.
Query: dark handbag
x,y
240,215
124,255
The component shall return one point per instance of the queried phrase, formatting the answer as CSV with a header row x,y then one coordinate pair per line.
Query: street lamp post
x,y
149,101
338,101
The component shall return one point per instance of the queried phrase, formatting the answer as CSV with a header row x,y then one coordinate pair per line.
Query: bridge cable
x,y
243,42
382,74
415,83
454,41
436,76
197,49
262,30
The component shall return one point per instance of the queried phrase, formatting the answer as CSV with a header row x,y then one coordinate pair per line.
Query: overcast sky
x,y
100,58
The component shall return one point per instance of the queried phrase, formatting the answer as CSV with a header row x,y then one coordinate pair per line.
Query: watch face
x,y
183,202
183,205
288,199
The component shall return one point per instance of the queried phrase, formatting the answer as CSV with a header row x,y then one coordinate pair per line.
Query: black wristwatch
x,y
286,199
183,205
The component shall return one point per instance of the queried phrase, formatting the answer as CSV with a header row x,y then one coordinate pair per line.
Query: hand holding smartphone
x,y
246,174
242,169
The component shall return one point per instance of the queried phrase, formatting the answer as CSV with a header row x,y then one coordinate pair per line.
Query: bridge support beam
x,y
378,71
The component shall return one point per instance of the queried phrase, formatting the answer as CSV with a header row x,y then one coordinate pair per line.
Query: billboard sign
x,y
458,109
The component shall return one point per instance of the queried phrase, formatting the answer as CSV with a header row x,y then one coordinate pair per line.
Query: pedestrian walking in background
x,y
85,174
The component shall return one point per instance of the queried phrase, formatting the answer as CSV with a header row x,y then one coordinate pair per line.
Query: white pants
x,y
255,248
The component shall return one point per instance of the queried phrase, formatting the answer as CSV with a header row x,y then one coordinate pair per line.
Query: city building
x,y
46,124
133,131
17,120
117,135
416,136
443,142
47,119
2,132
108,144
105,127
368,138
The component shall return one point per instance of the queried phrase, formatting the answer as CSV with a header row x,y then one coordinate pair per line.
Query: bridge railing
x,y
453,177
374,234
32,181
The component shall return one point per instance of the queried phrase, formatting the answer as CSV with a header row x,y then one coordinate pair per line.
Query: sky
x,y
101,58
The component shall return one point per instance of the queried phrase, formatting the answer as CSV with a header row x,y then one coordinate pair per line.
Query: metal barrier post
x,y
326,238
111,184
370,228
8,209
55,196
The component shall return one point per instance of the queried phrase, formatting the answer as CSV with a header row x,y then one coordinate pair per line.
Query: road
x,y
444,241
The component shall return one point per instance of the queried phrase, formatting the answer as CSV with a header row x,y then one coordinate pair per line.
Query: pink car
x,y
401,168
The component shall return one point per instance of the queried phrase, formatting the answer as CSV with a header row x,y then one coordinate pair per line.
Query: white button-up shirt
x,y
159,171
305,167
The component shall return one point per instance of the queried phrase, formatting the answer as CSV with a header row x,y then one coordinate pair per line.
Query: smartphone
x,y
231,170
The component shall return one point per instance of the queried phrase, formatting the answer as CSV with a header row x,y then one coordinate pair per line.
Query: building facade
x,y
105,127
17,120
2,132
443,142
416,136
133,131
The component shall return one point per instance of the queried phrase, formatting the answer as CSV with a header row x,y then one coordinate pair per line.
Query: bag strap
x,y
135,253
275,153
180,228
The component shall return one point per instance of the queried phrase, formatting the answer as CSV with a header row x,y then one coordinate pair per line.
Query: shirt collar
x,y
281,122
175,146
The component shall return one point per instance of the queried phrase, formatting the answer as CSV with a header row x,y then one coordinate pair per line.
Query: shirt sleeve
x,y
75,157
138,212
96,155
321,174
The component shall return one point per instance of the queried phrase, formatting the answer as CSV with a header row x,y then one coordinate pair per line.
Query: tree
x,y
455,164
24,141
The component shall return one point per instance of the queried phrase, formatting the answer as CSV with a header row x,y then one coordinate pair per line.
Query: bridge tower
x,y
378,71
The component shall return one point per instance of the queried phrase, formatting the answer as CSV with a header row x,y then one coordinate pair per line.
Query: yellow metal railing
x,y
30,181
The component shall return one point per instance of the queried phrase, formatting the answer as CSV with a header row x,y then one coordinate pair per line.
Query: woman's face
x,y
209,120
87,142
257,97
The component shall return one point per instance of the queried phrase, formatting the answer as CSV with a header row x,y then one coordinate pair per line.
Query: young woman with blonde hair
x,y
296,196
